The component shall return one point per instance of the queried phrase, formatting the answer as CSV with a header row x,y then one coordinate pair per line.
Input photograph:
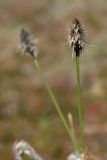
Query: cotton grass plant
x,y
76,41
29,46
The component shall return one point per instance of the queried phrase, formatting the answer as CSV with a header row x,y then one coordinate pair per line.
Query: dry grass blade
x,y
22,147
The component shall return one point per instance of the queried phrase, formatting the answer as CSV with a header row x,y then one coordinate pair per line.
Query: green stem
x,y
78,101
70,132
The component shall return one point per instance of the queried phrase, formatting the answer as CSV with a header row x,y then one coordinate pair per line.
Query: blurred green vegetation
x,y
26,112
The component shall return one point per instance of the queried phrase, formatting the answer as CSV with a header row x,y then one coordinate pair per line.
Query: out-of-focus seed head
x,y
76,37
27,43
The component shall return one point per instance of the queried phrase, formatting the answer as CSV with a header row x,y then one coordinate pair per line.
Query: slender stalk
x,y
78,101
70,132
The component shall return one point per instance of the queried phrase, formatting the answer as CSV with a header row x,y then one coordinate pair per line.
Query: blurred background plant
x,y
25,108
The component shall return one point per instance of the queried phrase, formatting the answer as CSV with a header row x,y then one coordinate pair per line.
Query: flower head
x,y
28,43
76,37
